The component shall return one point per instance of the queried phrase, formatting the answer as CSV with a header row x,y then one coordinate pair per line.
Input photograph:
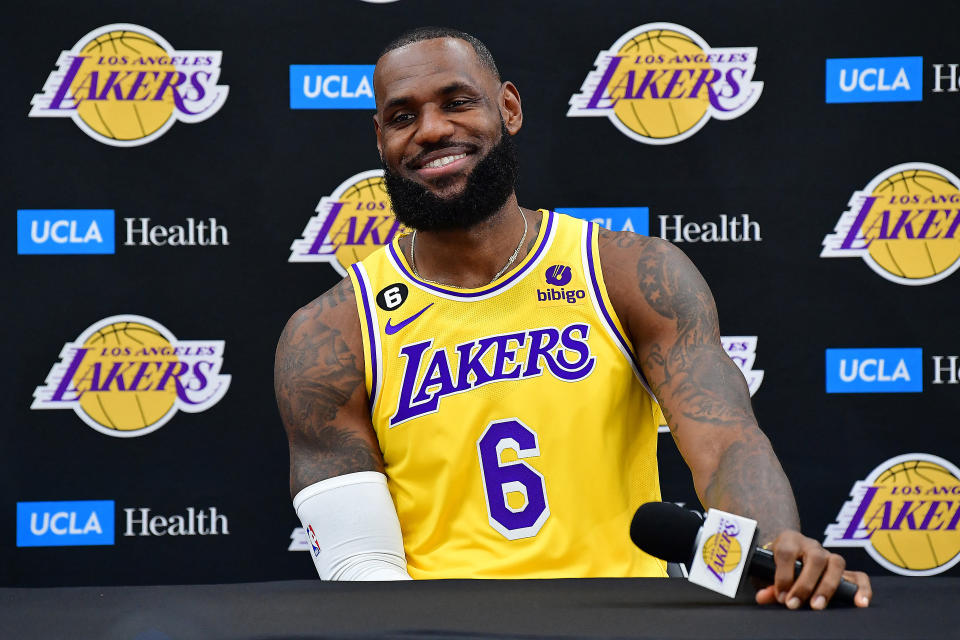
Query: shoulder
x,y
328,325
664,277
336,306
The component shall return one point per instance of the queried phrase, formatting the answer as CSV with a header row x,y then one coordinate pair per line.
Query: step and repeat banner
x,y
182,179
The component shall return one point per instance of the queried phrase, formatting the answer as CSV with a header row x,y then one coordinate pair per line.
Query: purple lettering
x,y
850,533
854,232
67,378
602,85
65,84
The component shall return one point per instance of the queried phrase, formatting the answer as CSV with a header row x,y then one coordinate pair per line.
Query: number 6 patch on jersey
x,y
500,479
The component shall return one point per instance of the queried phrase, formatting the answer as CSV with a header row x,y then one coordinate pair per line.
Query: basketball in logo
x,y
666,117
124,85
127,376
351,223
905,514
116,117
905,224
136,409
914,258
918,549
722,552
660,83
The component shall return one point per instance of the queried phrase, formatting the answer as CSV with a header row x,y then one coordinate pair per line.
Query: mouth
x,y
442,163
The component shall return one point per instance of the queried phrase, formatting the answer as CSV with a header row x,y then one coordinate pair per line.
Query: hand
x,y
817,582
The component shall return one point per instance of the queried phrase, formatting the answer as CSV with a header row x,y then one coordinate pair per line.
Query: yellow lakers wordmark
x,y
351,223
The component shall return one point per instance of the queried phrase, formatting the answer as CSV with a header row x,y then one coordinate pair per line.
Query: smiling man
x,y
477,399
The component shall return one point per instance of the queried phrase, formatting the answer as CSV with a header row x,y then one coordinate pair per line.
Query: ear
x,y
376,130
510,108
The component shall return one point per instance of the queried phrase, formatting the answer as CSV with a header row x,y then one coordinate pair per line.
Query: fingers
x,y
814,558
818,580
828,581
767,595
864,589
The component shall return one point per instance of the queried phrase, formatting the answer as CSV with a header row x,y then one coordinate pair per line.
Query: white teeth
x,y
445,160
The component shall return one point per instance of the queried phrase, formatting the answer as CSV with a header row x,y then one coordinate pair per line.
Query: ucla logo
x,y
905,514
124,85
351,223
564,353
903,224
880,370
65,231
127,376
633,219
331,86
660,83
874,79
65,524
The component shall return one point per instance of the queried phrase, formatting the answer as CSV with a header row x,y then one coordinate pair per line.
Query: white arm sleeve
x,y
353,528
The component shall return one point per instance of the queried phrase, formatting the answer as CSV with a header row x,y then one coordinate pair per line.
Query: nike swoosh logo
x,y
391,329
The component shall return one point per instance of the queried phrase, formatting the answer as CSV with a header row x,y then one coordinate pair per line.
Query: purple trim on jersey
x,y
476,294
371,338
595,283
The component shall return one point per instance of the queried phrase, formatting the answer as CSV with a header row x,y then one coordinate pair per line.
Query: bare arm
x,y
318,380
674,329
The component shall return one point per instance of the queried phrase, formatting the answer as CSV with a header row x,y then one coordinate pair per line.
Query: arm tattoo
x,y
693,372
315,376
749,481
698,384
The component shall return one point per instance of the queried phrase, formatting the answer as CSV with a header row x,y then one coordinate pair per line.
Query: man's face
x,y
441,115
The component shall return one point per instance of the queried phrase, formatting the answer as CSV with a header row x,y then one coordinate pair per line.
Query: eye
x,y
401,118
460,102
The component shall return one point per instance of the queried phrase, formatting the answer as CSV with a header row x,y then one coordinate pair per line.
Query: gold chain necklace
x,y
513,257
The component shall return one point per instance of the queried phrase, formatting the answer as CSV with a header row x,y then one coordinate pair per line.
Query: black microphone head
x,y
665,530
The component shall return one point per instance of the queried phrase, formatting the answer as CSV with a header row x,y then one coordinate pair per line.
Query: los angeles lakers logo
x,y
905,224
128,375
124,85
722,551
905,514
660,83
351,223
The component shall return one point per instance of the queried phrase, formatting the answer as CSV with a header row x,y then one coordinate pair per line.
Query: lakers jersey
x,y
517,433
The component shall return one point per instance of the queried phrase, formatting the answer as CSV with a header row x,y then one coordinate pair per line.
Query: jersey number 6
x,y
502,478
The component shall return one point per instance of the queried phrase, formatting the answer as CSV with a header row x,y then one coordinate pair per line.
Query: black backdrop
x,y
259,167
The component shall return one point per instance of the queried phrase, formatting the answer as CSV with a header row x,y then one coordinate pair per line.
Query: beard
x,y
488,186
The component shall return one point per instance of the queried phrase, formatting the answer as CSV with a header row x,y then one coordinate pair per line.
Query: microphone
x,y
672,533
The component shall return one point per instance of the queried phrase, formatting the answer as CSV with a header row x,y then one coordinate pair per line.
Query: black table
x,y
609,608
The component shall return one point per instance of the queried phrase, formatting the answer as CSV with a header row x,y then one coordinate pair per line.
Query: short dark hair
x,y
431,33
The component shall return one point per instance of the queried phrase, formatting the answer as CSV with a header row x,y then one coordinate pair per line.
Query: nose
x,y
433,125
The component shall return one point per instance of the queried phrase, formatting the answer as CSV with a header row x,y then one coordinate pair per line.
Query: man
x,y
488,377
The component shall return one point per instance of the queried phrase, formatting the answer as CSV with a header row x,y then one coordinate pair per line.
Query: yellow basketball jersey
x,y
517,431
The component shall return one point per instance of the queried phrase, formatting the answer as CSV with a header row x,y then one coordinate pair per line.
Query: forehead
x,y
425,65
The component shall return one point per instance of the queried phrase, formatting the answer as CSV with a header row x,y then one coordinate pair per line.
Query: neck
x,y
470,258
